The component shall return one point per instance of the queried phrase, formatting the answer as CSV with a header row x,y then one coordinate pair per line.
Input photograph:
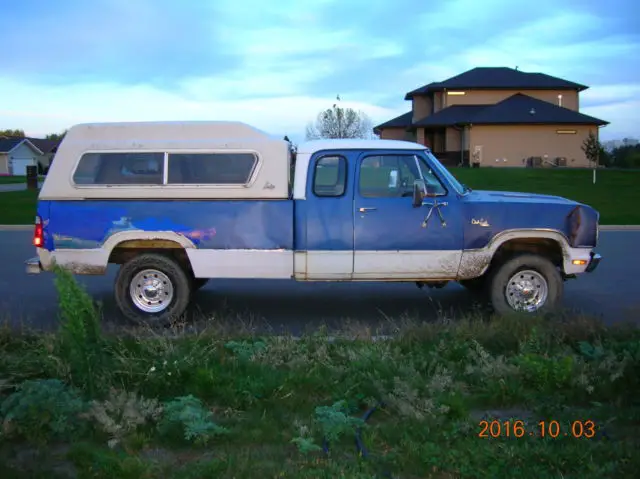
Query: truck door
x,y
391,238
324,220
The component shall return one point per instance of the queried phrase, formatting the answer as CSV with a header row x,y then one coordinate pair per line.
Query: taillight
x,y
38,237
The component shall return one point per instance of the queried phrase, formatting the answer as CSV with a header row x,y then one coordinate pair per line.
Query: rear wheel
x,y
152,288
526,283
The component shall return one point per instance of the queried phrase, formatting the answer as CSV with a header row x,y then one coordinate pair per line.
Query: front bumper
x,y
33,265
593,262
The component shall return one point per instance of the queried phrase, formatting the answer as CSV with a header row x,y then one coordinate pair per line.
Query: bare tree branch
x,y
337,122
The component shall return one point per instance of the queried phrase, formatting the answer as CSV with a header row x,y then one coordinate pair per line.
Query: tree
x,y
627,156
593,150
12,133
56,136
338,122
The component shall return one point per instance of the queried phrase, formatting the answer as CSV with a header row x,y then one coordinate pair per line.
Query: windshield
x,y
459,187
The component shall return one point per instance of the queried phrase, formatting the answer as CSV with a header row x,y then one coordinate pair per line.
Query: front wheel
x,y
152,288
526,283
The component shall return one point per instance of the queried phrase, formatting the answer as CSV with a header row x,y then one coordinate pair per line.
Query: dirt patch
x,y
473,264
83,268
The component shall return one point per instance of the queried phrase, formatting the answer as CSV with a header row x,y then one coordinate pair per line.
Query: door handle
x,y
364,210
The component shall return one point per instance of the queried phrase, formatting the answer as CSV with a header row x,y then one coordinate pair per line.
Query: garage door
x,y
20,165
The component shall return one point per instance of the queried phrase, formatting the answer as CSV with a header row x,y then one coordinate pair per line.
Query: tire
x,y
175,284
533,272
198,283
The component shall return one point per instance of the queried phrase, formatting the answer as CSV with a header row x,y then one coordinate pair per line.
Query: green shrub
x,y
335,420
187,416
40,410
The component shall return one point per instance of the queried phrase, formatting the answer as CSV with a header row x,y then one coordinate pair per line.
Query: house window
x,y
456,93
211,168
330,176
120,169
566,132
392,176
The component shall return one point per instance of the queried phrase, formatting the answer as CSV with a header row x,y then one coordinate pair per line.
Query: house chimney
x,y
559,100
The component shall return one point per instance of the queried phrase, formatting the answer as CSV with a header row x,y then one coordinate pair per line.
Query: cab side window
x,y
392,176
330,176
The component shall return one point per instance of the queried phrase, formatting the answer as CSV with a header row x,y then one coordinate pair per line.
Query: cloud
x,y
276,65
63,106
625,114
604,95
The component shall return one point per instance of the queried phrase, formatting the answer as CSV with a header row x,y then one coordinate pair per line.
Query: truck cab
x,y
176,204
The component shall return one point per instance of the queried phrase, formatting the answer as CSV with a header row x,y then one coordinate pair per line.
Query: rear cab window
x,y
330,176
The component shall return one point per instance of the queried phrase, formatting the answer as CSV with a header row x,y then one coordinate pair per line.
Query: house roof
x,y
517,109
524,109
452,115
44,145
401,121
420,91
498,78
8,144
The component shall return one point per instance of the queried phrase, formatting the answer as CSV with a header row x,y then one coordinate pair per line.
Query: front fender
x,y
475,262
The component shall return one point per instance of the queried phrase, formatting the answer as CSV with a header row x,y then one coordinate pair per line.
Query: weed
x,y
81,345
122,413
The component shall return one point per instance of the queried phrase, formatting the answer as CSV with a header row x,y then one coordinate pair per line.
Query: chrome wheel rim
x,y
527,291
151,291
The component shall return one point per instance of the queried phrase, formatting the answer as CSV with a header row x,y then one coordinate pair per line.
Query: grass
x,y
18,207
11,180
169,404
614,195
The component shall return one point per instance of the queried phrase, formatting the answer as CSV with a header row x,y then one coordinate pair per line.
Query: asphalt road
x,y
612,292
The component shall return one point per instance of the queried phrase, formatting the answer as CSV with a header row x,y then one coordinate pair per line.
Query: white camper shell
x,y
258,164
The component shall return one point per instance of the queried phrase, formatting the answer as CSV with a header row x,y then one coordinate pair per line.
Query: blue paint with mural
x,y
208,224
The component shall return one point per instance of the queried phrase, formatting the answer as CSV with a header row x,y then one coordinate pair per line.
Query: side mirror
x,y
419,192
422,190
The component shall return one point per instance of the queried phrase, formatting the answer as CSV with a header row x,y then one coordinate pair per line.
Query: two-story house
x,y
498,117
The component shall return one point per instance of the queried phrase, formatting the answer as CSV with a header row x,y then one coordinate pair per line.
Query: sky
x,y
275,65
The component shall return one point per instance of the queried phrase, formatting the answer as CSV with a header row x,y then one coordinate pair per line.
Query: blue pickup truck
x,y
176,204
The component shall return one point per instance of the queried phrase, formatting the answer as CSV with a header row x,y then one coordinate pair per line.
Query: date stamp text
x,y
552,429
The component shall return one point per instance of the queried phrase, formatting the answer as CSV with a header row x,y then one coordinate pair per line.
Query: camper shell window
x,y
147,168
211,168
120,169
